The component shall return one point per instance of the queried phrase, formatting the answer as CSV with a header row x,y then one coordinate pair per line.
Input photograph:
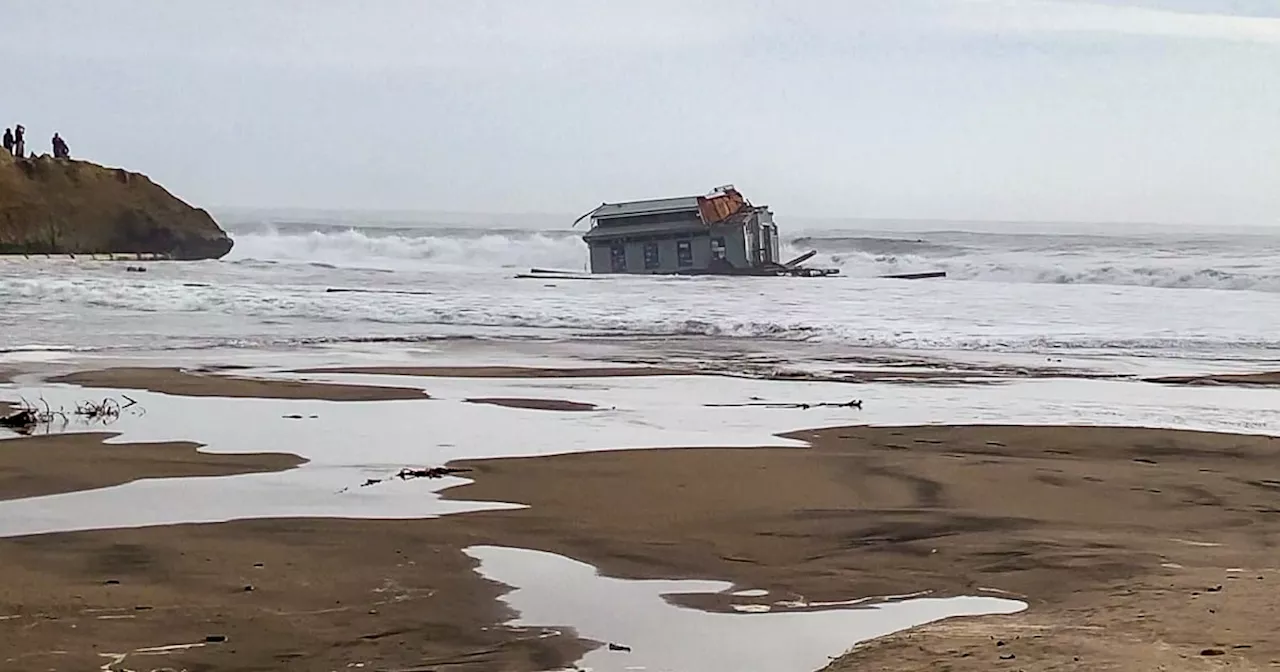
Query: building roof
x,y
633,230
649,207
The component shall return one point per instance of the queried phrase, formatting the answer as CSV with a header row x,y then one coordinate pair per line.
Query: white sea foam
x,y
1251,263
383,248
1005,293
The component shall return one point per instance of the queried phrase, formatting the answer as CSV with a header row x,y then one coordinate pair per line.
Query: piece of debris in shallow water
x,y
619,647
430,472
28,416
20,419
409,474
107,409
852,403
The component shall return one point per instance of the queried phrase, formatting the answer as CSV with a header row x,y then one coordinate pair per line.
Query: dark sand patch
x,y
1119,538
502,371
179,382
50,464
307,595
536,404
1267,379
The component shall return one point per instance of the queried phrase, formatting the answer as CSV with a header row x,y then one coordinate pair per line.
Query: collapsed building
x,y
721,233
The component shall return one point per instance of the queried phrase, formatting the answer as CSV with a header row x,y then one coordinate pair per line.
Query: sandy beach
x,y
1135,548
1263,379
502,371
46,465
194,383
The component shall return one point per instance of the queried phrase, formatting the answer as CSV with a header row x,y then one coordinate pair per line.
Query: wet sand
x,y
1267,379
312,595
535,404
191,383
54,463
1120,539
963,375
502,371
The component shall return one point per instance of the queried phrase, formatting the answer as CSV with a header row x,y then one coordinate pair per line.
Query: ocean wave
x,y
874,245
419,249
993,259
1136,347
1256,274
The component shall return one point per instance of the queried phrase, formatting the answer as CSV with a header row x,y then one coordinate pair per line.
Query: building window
x,y
684,253
651,260
718,250
618,257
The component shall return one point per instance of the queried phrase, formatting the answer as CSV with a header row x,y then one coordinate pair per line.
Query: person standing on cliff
x,y
60,149
8,140
20,142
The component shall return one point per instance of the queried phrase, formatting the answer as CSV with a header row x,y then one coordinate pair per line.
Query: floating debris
x,y
408,474
853,403
30,416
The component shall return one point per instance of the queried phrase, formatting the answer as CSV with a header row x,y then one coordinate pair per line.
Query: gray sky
x,y
1126,110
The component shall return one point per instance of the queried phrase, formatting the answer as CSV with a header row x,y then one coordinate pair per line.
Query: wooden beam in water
x,y
552,276
344,290
916,276
800,259
548,271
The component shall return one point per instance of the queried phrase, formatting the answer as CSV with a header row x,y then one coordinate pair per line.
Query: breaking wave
x,y
994,258
423,249
1231,274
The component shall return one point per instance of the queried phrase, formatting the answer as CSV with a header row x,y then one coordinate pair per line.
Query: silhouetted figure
x,y
19,141
8,140
60,149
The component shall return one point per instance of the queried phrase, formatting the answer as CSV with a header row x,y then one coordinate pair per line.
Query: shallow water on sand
x,y
350,442
551,590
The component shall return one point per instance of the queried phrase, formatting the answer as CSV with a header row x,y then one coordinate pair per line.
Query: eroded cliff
x,y
64,206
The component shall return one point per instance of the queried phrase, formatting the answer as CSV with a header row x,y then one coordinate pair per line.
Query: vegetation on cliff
x,y
63,206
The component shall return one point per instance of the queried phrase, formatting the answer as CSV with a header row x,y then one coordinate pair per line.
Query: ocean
x,y
1110,295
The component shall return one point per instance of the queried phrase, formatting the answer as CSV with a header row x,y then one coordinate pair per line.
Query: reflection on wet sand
x,y
824,517
638,629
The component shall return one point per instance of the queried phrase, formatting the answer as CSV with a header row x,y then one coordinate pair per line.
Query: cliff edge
x,y
64,206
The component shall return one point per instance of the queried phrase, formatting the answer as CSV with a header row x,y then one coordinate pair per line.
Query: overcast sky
x,y
1085,110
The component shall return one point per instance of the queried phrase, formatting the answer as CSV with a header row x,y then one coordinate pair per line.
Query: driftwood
x,y
20,419
30,416
916,276
349,290
407,474
853,403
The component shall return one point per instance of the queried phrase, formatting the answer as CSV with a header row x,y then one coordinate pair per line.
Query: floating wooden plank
x,y
800,259
916,276
548,271
540,276
336,290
